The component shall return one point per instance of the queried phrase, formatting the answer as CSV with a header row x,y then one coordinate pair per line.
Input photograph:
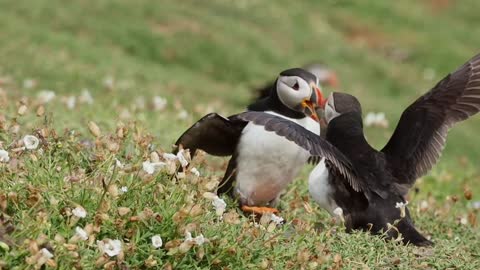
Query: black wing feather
x,y
421,133
309,141
213,134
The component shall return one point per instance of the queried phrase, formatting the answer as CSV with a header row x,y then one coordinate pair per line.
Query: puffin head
x,y
340,103
298,90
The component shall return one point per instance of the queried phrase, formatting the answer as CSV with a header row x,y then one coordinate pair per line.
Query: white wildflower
x,y
375,119
31,142
277,220
79,212
183,114
45,96
85,97
476,205
150,167
169,156
220,205
195,171
402,206
81,233
118,164
29,83
124,189
157,241
109,82
181,158
110,247
423,205
339,213
199,240
4,157
46,253
463,220
159,103
71,101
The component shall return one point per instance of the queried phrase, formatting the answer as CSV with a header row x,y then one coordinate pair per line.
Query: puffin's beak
x,y
309,109
319,97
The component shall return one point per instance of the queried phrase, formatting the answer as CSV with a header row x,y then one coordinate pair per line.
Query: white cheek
x,y
330,113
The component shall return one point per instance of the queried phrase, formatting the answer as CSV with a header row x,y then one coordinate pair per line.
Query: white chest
x,y
319,187
267,163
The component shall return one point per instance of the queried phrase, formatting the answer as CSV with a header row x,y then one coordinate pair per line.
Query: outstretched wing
x,y
213,134
421,133
307,140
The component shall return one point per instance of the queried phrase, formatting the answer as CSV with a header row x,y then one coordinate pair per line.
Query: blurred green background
x,y
207,55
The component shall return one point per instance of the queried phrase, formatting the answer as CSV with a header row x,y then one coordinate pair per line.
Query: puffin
x,y
324,74
367,187
262,164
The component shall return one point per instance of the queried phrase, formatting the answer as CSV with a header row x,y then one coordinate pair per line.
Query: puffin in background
x,y
368,187
262,163
324,75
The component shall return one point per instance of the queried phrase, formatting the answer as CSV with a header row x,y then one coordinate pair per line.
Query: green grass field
x,y
203,57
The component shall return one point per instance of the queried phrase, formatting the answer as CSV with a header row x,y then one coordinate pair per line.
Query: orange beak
x,y
332,80
320,99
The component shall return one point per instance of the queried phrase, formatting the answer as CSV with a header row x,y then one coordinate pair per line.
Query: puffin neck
x,y
273,103
346,131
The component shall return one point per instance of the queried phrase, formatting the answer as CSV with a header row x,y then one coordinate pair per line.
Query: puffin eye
x,y
296,86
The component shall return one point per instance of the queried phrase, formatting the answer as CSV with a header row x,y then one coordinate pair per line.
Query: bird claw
x,y
259,210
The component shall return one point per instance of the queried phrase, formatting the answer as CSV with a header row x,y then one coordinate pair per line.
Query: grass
x,y
201,58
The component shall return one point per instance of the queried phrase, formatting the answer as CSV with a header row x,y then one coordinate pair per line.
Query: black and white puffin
x,y
369,186
324,74
262,163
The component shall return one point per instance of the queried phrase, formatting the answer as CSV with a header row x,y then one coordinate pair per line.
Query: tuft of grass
x,y
204,58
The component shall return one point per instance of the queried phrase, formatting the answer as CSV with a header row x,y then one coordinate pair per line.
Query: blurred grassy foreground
x,y
203,57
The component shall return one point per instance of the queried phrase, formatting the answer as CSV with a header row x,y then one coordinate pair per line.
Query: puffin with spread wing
x,y
370,186
262,163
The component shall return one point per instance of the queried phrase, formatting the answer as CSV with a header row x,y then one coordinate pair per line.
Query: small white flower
x,y
150,167
81,233
188,236
402,206
375,119
71,101
276,219
199,240
31,142
181,158
85,97
109,82
220,205
45,96
29,83
169,156
46,253
4,157
463,220
110,247
118,164
159,103
157,241
339,213
476,205
79,212
124,189
183,114
195,171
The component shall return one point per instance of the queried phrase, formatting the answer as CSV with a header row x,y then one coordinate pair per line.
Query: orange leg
x,y
259,210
